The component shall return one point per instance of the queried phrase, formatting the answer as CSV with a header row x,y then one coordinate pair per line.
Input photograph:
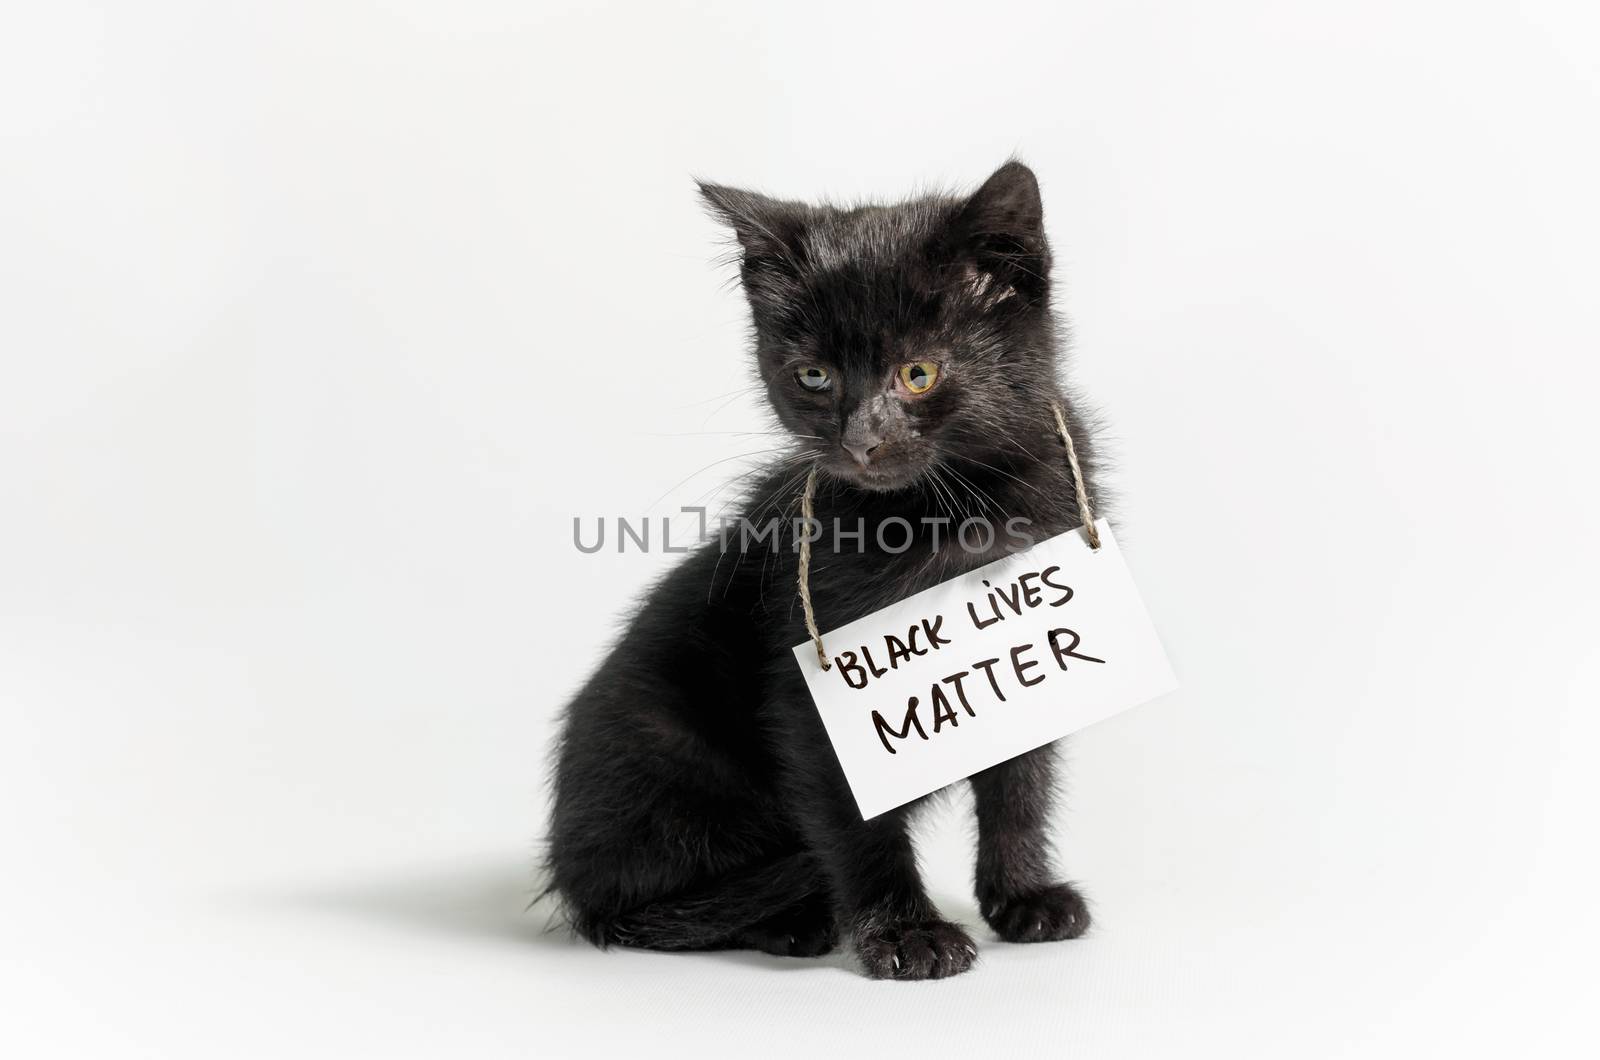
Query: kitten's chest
x,y
867,557
846,586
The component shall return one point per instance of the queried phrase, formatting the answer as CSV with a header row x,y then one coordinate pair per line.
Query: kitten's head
x,y
892,339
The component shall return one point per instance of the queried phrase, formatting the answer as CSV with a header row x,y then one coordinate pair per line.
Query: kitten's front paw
x,y
915,949
1055,912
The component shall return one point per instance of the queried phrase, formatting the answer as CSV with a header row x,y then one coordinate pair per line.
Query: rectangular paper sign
x,y
983,667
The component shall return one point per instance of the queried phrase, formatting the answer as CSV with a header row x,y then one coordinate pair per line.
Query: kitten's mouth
x,y
881,477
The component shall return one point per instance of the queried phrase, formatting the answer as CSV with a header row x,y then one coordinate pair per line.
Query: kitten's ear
x,y
768,231
999,239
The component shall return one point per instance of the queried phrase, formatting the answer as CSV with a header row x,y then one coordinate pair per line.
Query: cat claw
x,y
1047,915
919,949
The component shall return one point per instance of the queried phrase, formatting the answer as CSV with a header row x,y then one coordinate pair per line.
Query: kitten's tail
x,y
711,917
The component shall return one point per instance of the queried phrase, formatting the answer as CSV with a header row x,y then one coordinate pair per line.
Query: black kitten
x,y
912,352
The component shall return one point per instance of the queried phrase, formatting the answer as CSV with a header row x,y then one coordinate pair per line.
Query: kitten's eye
x,y
920,377
814,378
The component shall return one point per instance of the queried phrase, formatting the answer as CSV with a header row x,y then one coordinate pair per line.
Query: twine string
x,y
805,568
807,509
1077,476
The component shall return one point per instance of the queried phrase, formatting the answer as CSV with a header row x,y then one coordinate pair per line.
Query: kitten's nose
x,y
862,448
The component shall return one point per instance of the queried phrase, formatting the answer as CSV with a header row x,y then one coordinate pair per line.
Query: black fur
x,y
698,802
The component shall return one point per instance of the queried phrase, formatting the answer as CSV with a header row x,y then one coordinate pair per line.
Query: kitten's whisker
x,y
942,493
803,457
943,488
981,495
725,434
708,467
736,395
1007,474
962,496
748,388
985,502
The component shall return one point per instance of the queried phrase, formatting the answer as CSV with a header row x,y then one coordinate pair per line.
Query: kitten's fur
x,y
698,802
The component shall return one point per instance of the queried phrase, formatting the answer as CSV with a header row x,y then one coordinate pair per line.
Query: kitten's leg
x,y
1018,893
878,895
869,867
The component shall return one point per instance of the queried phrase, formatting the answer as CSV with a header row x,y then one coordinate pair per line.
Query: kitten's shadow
x,y
494,904
488,903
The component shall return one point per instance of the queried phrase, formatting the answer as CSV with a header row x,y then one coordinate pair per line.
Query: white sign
x,y
981,668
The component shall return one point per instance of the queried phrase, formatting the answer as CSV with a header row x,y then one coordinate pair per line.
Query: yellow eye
x,y
920,377
813,377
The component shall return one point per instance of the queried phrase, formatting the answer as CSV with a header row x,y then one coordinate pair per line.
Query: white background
x,y
321,321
